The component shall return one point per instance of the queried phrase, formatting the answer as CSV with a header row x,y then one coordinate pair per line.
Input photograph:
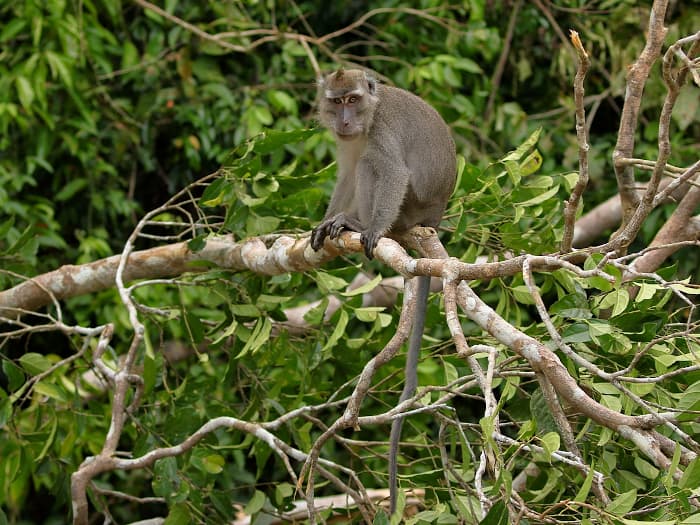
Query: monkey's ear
x,y
371,84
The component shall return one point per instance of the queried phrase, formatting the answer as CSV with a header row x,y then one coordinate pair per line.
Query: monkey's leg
x,y
410,383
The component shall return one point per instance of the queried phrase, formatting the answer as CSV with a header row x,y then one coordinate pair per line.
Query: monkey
x,y
396,169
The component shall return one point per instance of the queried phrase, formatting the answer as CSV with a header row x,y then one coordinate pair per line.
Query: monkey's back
x,y
427,149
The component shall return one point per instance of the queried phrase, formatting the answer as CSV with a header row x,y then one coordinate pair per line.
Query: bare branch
x,y
571,205
636,79
673,83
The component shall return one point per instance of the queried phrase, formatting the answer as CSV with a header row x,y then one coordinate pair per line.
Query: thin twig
x,y
571,205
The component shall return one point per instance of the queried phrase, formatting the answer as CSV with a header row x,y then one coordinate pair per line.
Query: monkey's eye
x,y
353,99
337,101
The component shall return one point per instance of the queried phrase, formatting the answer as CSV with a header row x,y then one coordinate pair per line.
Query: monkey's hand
x,y
369,240
332,227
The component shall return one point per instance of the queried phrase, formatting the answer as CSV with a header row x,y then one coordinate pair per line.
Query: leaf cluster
x,y
106,109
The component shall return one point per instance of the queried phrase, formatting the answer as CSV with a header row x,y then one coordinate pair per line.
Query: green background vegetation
x,y
107,109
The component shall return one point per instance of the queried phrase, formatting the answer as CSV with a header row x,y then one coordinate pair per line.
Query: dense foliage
x,y
109,108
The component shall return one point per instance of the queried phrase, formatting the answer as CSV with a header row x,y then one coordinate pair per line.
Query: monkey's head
x,y
347,99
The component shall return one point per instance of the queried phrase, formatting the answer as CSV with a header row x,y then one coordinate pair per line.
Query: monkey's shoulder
x,y
401,117
394,96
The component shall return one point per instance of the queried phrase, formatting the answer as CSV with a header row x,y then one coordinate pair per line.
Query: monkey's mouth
x,y
348,135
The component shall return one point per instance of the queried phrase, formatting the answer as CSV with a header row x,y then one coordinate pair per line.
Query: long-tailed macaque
x,y
396,169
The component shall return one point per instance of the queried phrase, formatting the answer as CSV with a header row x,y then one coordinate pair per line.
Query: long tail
x,y
410,383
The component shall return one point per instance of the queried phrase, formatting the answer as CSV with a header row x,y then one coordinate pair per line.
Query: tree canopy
x,y
171,349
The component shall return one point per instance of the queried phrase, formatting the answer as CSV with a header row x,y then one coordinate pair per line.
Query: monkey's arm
x,y
383,180
342,210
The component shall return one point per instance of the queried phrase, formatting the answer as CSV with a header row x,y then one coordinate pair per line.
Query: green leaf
x,y
539,199
262,114
6,226
258,225
51,390
214,463
328,282
260,336
130,55
467,64
689,403
197,244
541,413
646,291
165,480
380,518
268,302
282,100
214,194
265,185
272,140
25,92
255,504
221,92
522,294
283,491
583,492
5,411
617,300
193,326
627,521
645,468
178,515
337,332
531,164
37,29
71,189
691,476
526,146
245,310
451,373
12,28
368,314
551,442
34,363
497,515
59,68
470,178
315,315
365,288
15,376
513,169
49,441
572,306
623,503
692,290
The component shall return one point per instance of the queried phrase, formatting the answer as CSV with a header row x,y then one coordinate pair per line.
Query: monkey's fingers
x,y
318,235
336,228
342,222
369,240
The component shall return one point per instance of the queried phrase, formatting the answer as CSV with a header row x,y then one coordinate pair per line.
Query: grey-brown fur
x,y
396,169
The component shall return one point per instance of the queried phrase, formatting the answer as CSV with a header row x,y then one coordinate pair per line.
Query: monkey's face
x,y
346,114
346,103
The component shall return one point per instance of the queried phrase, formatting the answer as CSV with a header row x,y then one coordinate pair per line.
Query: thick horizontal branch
x,y
284,254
